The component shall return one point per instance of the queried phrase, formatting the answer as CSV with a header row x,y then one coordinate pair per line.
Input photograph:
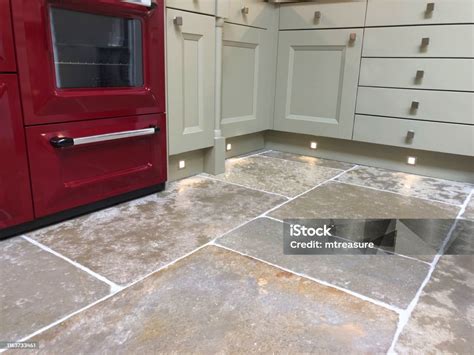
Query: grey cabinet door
x,y
248,79
317,81
190,80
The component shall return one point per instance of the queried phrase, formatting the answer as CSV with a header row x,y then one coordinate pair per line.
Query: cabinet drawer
x,y
437,74
428,105
433,136
257,13
7,51
200,6
420,41
323,14
412,12
97,165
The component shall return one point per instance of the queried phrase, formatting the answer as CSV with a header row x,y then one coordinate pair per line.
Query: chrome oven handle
x,y
150,4
65,142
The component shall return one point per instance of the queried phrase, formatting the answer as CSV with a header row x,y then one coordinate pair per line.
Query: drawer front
x,y
96,166
15,193
420,41
436,74
432,136
257,13
200,6
7,51
427,105
413,12
323,14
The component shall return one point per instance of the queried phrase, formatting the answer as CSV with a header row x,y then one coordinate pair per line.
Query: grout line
x,y
113,286
244,186
406,314
398,193
302,162
243,156
324,283
307,191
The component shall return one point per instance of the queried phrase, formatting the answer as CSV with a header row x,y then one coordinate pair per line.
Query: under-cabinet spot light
x,y
228,147
411,161
313,145
181,164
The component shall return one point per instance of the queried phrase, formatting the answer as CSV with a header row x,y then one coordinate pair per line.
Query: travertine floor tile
x,y
216,301
131,240
38,288
469,212
443,321
408,184
288,178
309,160
388,278
335,200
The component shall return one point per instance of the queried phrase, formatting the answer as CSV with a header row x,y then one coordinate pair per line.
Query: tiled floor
x,y
200,268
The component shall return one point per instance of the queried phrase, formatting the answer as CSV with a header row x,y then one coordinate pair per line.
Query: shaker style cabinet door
x,y
317,81
15,194
248,71
7,51
191,80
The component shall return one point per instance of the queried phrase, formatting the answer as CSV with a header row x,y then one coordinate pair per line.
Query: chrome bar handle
x,y
65,142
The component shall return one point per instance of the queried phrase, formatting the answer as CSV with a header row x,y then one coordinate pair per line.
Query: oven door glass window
x,y
96,51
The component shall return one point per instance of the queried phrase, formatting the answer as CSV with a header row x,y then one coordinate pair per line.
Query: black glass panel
x,y
94,51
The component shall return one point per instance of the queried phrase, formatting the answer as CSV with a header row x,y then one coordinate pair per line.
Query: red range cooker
x,y
82,107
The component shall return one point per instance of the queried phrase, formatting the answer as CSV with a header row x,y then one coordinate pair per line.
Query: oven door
x,y
89,59
77,163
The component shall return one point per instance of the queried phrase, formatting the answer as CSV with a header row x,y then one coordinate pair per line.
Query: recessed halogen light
x,y
181,164
228,147
313,145
411,161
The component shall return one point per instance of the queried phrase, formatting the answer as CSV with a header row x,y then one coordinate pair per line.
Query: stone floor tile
x,y
387,278
216,301
469,212
288,178
309,160
38,288
129,241
443,320
409,184
335,200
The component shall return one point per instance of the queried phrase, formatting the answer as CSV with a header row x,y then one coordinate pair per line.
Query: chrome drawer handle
x,y
64,142
415,105
317,15
425,41
178,21
420,74
245,10
410,135
430,7
352,37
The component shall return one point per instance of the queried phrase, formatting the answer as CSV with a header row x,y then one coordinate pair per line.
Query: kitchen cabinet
x,y
7,51
247,80
317,78
15,193
191,80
